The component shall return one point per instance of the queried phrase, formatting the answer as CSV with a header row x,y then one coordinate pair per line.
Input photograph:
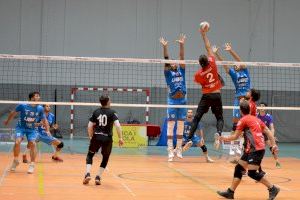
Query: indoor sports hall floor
x,y
142,174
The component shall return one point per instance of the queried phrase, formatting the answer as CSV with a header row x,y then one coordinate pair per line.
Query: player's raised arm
x,y
228,47
181,42
206,42
216,52
164,44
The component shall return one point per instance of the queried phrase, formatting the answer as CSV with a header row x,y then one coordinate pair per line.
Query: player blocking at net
x,y
30,114
175,79
100,133
207,76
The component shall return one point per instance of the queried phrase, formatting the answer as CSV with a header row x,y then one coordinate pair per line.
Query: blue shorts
x,y
236,111
31,134
176,113
43,137
195,139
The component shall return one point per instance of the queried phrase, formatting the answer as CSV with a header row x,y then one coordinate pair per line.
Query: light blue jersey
x,y
187,127
176,81
241,81
42,135
29,115
50,118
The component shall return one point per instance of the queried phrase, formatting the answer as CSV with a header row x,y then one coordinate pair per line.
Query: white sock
x,y
170,143
88,168
101,170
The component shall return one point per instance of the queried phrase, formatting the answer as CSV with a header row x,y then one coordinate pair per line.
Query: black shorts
x,y
213,100
105,143
253,158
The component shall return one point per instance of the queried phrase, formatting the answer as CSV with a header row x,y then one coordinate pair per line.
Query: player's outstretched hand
x,y
121,142
163,41
215,49
227,46
181,39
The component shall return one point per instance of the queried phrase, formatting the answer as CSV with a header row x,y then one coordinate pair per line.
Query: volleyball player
x,y
47,138
29,115
267,118
208,78
240,77
197,139
100,133
175,79
252,129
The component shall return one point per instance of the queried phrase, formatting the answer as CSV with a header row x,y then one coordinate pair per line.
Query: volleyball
x,y
204,26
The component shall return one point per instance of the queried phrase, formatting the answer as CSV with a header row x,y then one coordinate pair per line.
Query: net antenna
x,y
107,89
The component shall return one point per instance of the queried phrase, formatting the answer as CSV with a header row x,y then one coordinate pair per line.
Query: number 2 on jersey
x,y
210,77
102,120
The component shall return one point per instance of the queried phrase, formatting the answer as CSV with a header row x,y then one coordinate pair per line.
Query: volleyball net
x,y
72,85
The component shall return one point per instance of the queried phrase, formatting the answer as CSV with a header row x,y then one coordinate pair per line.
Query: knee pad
x,y
89,157
238,171
60,146
255,175
204,149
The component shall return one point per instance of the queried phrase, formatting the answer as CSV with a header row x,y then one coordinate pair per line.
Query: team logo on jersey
x,y
31,113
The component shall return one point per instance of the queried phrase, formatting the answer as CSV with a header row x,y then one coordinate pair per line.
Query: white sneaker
x,y
187,146
209,160
217,141
14,165
30,169
178,151
170,154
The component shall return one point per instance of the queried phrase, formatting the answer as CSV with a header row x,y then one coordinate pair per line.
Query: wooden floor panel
x,y
140,177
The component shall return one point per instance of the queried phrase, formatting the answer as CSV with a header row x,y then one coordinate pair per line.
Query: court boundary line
x,y
122,183
5,171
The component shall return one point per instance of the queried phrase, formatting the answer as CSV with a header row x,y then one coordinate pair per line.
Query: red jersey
x,y
208,77
252,105
253,133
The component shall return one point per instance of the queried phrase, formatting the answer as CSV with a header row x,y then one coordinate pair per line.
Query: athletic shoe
x,y
228,194
98,180
87,178
278,165
30,169
170,154
57,159
178,152
187,146
217,141
209,160
14,165
273,191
